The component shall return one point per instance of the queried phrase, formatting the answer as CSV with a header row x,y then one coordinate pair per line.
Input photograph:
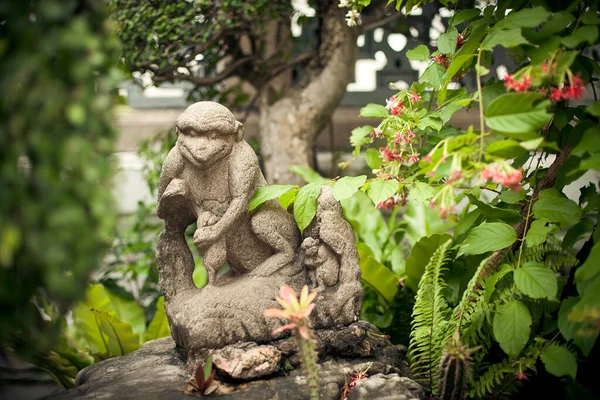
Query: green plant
x,y
515,276
57,73
297,312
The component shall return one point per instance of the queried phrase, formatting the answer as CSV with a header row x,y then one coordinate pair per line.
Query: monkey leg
x,y
276,228
214,258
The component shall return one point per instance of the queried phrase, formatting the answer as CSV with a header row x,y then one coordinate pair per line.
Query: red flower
x,y
556,94
510,82
413,158
520,86
459,41
440,59
520,375
575,90
388,155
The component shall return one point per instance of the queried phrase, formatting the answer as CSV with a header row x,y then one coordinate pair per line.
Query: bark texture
x,y
289,125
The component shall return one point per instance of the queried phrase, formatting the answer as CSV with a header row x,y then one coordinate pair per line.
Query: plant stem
x,y
480,94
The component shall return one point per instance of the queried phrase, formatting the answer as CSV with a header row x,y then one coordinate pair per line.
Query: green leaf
x,y
159,326
380,190
419,53
447,41
582,34
507,215
433,76
527,18
208,367
488,237
430,122
511,197
373,158
421,192
594,109
119,337
537,233
374,111
590,268
378,276
508,39
589,143
515,113
559,361
556,207
536,280
347,186
505,148
490,283
265,193
465,15
419,257
360,135
305,206
288,198
87,327
308,174
511,327
575,330
128,311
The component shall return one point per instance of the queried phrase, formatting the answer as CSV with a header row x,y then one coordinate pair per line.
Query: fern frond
x,y
501,378
431,326
550,253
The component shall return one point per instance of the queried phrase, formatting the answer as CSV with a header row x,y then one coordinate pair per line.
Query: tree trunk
x,y
289,125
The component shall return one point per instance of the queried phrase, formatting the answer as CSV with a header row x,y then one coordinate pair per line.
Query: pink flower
x,y
520,375
426,158
503,175
294,310
376,134
413,158
455,175
414,97
387,177
398,138
392,202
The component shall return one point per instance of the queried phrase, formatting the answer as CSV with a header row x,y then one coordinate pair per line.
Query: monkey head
x,y
207,132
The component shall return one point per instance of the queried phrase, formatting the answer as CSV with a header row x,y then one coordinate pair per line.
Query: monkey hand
x,y
205,237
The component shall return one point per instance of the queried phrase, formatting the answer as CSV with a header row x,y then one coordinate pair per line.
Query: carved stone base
x,y
249,371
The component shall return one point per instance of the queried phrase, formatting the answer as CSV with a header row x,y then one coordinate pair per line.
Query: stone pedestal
x,y
251,371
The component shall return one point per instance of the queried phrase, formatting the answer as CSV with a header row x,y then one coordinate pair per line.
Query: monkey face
x,y
204,149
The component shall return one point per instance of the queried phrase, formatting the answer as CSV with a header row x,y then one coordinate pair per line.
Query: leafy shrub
x,y
57,68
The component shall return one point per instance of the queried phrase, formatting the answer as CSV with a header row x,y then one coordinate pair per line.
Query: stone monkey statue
x,y
208,177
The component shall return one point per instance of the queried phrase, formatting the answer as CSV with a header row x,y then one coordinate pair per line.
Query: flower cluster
x,y
394,105
443,59
573,89
392,202
512,83
504,175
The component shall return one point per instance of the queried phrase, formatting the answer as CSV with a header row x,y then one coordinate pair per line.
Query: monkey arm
x,y
243,170
172,167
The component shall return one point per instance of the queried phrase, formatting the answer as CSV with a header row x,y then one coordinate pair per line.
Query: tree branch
x,y
376,23
207,80
304,57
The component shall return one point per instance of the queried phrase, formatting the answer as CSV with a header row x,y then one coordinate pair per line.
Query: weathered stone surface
x,y
387,387
208,178
156,371
247,362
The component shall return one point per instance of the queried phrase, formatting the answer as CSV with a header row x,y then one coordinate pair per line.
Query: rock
x,y
156,371
387,387
248,362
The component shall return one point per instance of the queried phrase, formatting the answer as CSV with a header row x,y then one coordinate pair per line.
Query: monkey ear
x,y
239,131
